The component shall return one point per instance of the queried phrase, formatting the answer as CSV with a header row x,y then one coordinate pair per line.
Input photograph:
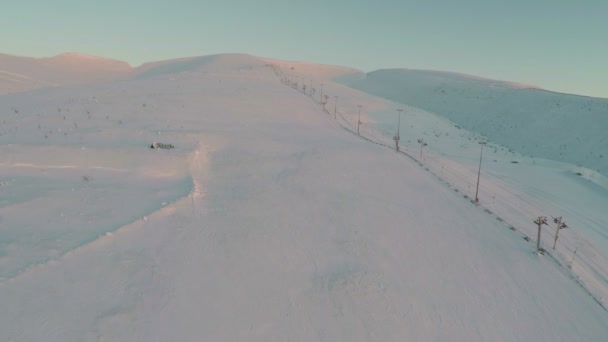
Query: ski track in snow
x,y
196,160
15,75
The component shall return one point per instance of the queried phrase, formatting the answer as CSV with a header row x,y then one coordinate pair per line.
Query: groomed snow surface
x,y
268,222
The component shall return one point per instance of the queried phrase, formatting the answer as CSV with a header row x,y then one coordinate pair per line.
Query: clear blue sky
x,y
560,45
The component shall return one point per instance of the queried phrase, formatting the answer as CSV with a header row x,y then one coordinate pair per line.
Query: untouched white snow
x,y
268,221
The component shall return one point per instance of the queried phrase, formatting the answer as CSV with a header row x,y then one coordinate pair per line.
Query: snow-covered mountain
x,y
526,119
19,74
271,219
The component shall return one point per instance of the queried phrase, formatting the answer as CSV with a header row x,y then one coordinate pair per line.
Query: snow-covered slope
x,y
514,186
200,64
19,74
528,120
268,221
308,71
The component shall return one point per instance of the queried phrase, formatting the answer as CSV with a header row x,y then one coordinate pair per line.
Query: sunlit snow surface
x,y
267,222
555,146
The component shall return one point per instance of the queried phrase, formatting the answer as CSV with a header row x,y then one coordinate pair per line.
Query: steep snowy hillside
x,y
268,221
531,121
19,74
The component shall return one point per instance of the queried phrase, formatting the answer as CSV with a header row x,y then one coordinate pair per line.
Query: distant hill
x,y
19,74
527,119
211,63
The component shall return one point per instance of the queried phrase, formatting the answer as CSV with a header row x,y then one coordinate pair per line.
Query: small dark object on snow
x,y
157,145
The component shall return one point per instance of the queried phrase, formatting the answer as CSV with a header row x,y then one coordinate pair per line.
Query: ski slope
x,y
533,173
268,221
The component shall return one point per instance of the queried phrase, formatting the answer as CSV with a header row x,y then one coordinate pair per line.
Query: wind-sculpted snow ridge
x,y
97,184
196,163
